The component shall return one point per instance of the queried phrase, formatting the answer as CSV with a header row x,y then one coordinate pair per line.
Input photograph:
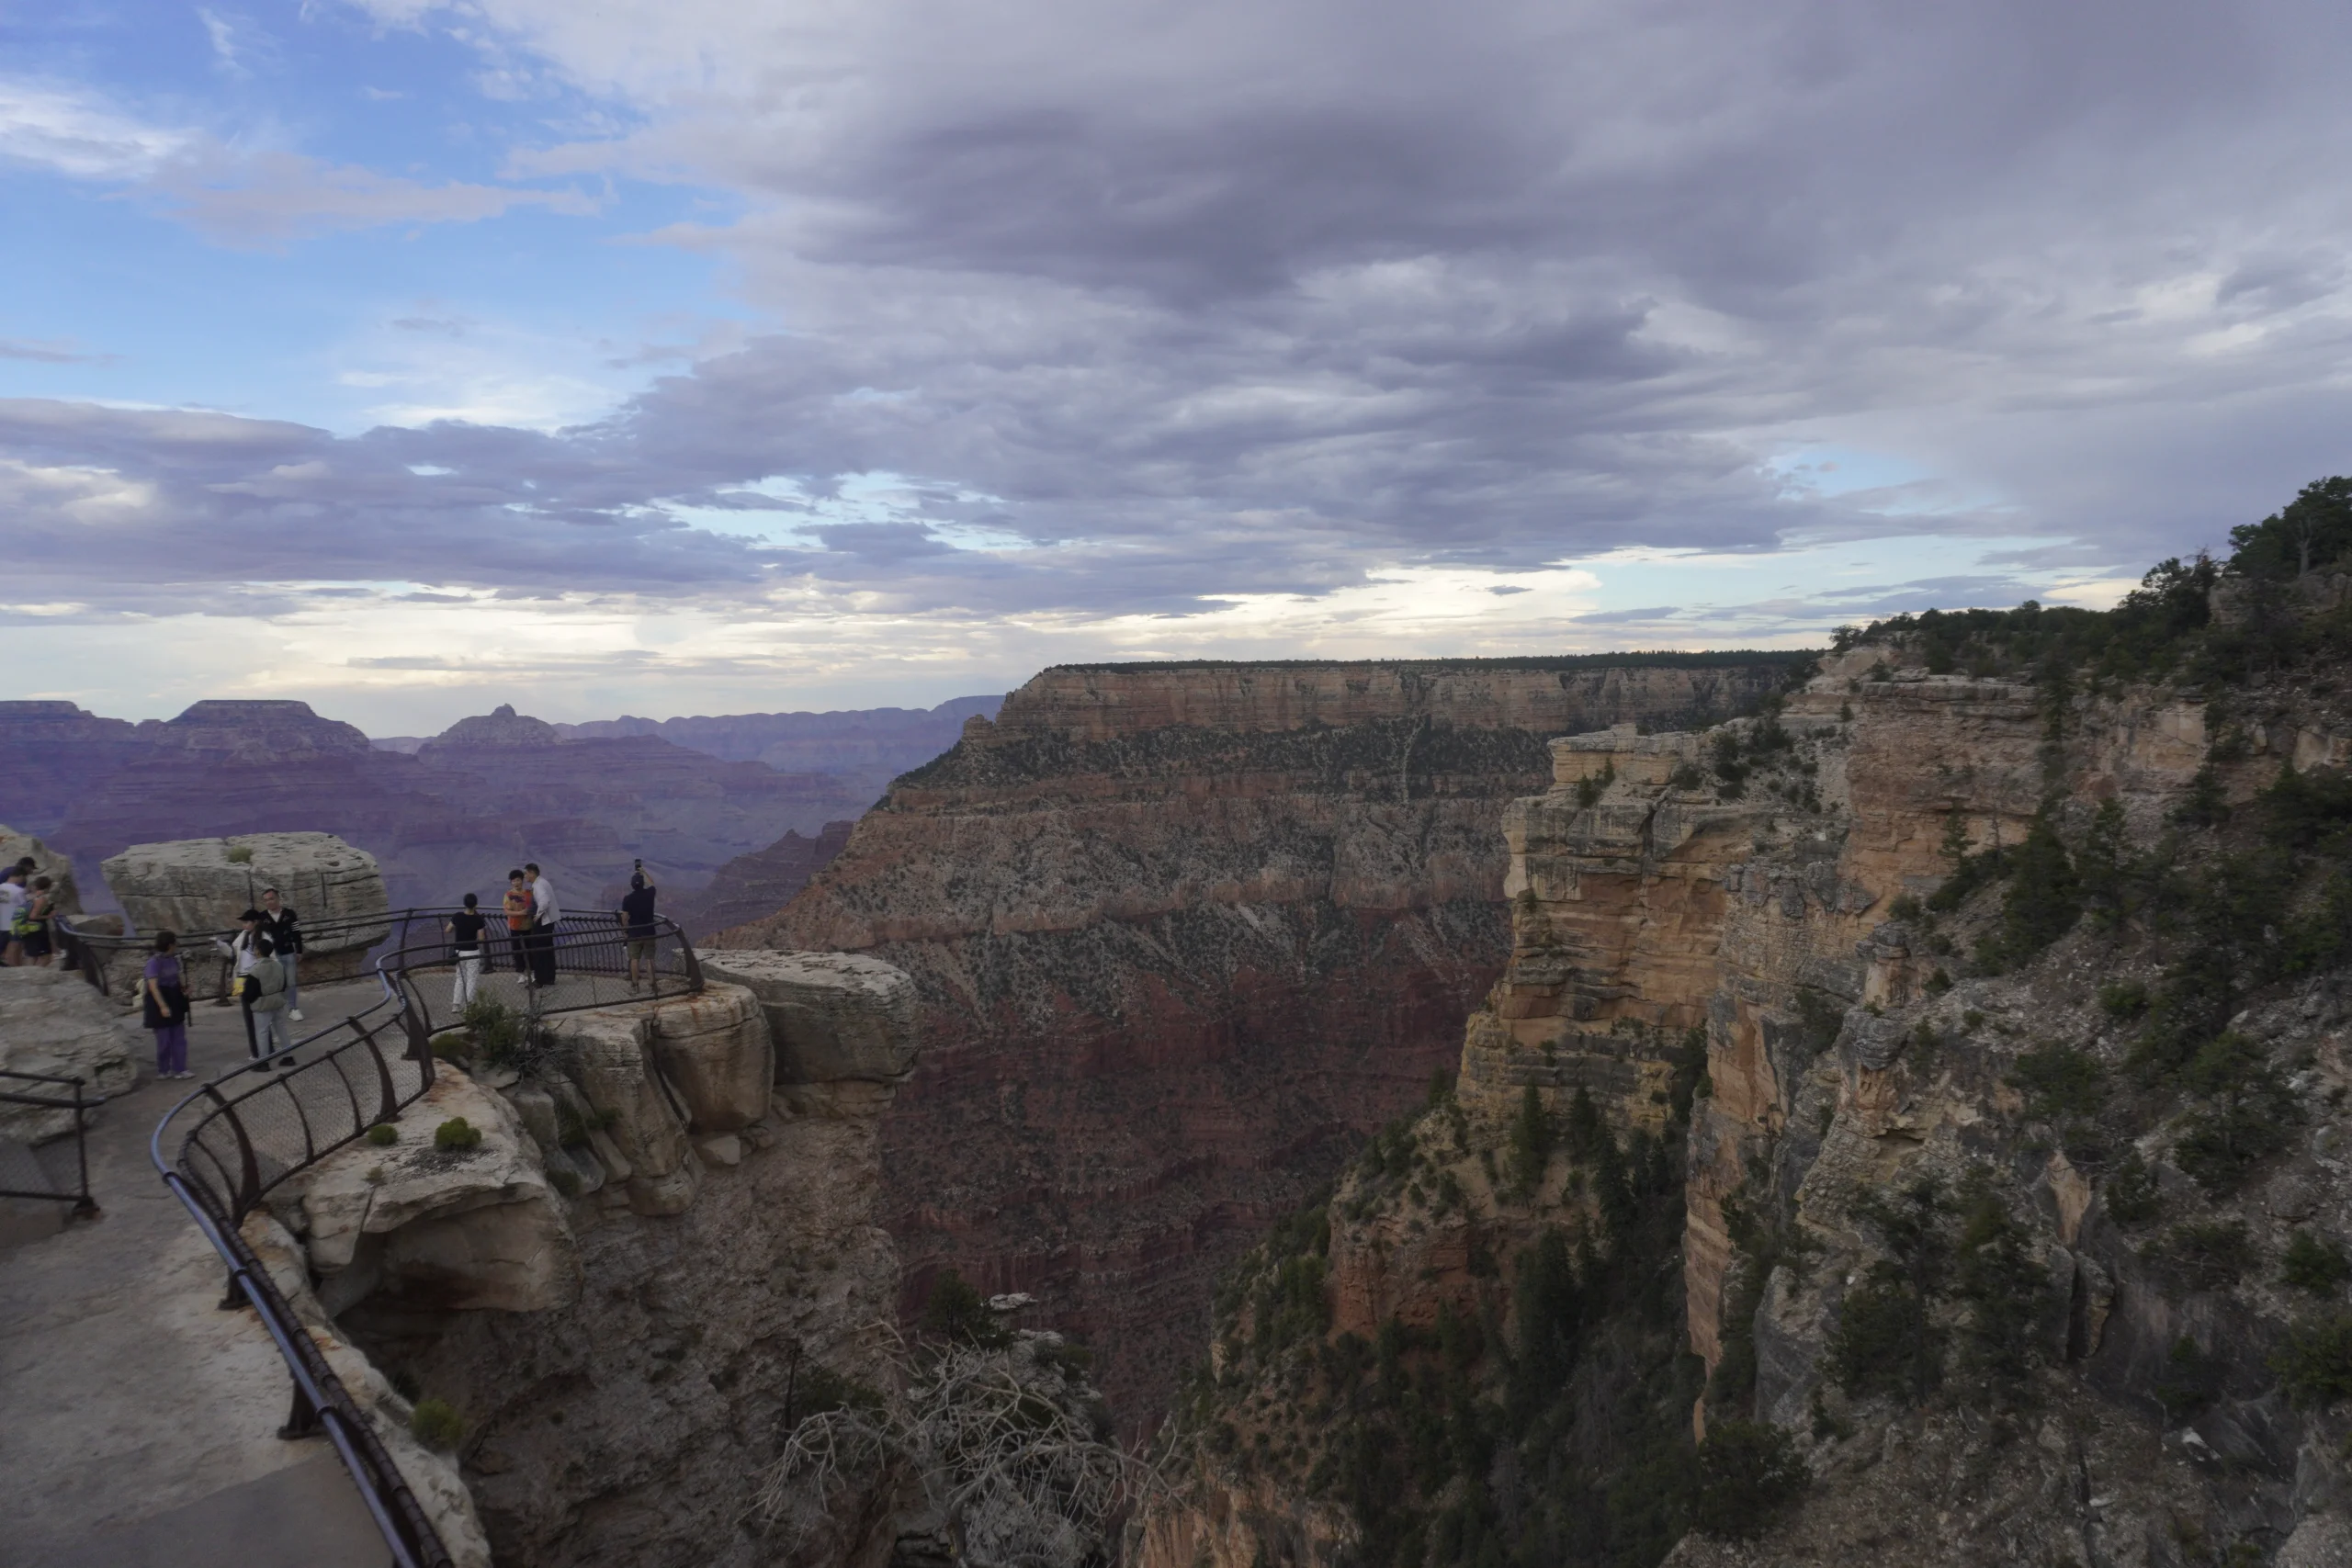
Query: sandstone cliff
x,y
2012,1194
1183,934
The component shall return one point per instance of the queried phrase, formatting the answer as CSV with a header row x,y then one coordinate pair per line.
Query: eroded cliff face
x,y
1182,935
2107,1338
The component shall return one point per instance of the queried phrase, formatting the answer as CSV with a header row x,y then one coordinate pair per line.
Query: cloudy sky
x,y
705,356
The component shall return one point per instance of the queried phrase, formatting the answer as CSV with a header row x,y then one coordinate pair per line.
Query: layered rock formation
x,y
55,1024
867,748
2018,1285
491,793
660,1242
753,887
1182,935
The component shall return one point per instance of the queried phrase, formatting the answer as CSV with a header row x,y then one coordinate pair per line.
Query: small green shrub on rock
x,y
383,1134
2314,1265
2316,1362
2212,1255
457,1133
437,1423
1749,1475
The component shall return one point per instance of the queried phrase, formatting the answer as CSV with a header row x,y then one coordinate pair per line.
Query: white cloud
x,y
74,133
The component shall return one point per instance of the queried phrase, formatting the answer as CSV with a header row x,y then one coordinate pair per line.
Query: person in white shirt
x,y
240,950
544,916
12,904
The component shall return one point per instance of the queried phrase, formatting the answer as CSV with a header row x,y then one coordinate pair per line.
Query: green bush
x,y
1530,1139
2314,1264
2315,1364
240,854
501,1035
2132,1195
457,1133
1887,1341
2212,1255
956,1310
2245,1114
1749,1475
2123,999
437,1423
2060,1083
383,1134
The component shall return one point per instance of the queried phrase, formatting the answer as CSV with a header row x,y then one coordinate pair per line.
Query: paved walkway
x,y
141,1421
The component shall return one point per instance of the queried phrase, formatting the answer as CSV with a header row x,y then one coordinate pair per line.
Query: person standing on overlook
x,y
517,906
164,1002
465,929
13,899
544,916
636,923
238,954
266,1031
33,922
279,923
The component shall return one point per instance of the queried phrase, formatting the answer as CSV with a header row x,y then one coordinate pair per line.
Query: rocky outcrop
x,y
628,1421
476,1228
867,748
203,885
51,1022
1181,935
835,1016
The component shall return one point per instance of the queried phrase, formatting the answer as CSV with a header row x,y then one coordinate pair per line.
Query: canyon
x,y
1932,1084
449,818
1182,935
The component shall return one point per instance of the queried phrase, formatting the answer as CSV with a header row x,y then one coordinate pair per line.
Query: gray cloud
x,y
1263,300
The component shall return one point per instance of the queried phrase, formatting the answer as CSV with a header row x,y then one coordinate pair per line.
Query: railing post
x,y
302,1419
86,1208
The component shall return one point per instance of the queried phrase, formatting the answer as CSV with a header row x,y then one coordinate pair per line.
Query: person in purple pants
x,y
166,1005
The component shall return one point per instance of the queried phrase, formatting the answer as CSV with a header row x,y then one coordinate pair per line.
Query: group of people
x,y
27,903
260,964
531,914
261,974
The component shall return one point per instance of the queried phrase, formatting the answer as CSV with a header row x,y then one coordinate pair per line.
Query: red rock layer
x,y
1183,934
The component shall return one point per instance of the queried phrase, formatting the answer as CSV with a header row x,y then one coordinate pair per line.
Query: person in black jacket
x,y
636,924
278,922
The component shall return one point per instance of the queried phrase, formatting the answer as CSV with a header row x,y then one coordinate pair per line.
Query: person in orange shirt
x,y
517,905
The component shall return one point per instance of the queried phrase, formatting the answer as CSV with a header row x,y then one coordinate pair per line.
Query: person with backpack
x,y
264,999
465,929
164,1002
636,924
279,923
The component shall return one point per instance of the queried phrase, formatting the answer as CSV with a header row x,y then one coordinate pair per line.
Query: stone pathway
x,y
141,1420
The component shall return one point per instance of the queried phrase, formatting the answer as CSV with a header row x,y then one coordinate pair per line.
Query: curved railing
x,y
222,1149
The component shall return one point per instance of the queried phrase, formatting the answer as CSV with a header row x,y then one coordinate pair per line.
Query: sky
x,y
678,356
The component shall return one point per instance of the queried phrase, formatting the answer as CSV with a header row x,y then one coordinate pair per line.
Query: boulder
x,y
606,1051
444,1229
202,885
53,1022
49,862
714,1049
834,1016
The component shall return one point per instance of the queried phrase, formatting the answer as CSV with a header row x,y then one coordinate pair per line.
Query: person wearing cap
x,y
238,954
636,924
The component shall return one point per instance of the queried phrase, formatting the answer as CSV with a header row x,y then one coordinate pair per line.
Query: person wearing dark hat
x,y
636,924
238,956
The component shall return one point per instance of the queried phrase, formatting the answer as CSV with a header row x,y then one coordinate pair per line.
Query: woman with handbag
x,y
164,1002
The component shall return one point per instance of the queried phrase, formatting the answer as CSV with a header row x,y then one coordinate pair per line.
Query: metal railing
x,y
21,1169
111,961
223,1149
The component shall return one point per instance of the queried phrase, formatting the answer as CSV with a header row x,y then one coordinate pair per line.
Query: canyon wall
x,y
496,790
1182,935
2100,1261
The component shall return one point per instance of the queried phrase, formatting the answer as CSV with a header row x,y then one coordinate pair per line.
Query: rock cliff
x,y
1182,935
2009,1203
755,886
650,1252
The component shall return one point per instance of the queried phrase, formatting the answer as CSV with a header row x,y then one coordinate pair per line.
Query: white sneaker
x,y
295,1013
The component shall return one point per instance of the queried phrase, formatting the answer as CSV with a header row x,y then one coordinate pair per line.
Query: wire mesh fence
x,y
584,961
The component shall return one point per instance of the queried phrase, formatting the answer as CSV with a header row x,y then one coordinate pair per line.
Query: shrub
x,y
2212,1255
1749,1475
2315,1364
2314,1264
1530,1139
2190,1380
2043,901
2132,1195
2246,1113
955,1311
383,1134
564,1180
2060,1083
2123,999
2004,1286
1887,1341
457,1133
240,854
437,1423
501,1035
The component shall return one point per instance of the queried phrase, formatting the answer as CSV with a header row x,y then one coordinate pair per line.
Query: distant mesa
x,y
499,726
